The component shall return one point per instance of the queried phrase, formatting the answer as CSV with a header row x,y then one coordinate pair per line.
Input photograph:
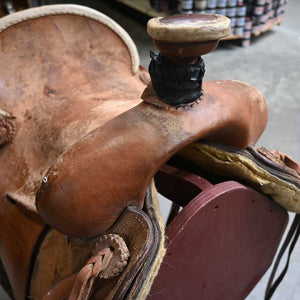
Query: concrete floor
x,y
271,64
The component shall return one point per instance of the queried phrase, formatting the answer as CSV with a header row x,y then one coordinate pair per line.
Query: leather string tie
x,y
292,238
109,259
85,279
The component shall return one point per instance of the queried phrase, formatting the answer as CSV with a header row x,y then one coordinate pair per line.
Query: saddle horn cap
x,y
188,35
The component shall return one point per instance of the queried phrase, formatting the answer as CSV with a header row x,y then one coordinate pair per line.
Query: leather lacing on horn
x,y
176,84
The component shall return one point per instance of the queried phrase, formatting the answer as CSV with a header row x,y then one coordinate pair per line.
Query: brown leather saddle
x,y
79,216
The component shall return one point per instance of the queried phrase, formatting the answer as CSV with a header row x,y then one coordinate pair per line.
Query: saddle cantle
x,y
54,89
80,147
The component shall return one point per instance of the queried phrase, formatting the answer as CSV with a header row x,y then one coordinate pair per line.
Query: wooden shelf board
x,y
142,6
267,28
235,37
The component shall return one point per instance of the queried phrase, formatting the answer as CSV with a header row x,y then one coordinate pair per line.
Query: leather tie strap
x,y
85,279
109,260
292,237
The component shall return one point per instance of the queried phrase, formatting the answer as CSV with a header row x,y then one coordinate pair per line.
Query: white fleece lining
x,y
78,10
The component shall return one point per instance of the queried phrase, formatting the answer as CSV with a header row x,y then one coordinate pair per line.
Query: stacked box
x,y
234,9
247,16
165,6
186,6
266,13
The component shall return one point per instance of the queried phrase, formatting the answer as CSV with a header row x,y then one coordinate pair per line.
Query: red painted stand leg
x,y
220,244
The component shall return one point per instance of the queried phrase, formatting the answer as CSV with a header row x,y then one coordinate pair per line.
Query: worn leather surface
x,y
67,81
60,80
19,235
141,284
143,139
136,229
57,258
77,84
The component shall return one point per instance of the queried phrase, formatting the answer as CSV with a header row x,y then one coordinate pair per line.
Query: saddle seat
x,y
62,75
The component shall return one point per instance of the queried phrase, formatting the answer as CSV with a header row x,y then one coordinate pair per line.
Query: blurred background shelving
x,y
12,6
248,17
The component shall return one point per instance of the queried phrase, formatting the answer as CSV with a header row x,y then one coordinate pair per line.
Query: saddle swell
x,y
132,147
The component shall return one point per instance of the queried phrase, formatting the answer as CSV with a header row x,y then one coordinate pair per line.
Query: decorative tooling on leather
x,y
120,254
7,131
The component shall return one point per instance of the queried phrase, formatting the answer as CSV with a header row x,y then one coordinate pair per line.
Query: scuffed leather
x,y
82,128
118,160
61,77
137,229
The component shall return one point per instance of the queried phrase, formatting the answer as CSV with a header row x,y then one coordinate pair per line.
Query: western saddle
x,y
79,150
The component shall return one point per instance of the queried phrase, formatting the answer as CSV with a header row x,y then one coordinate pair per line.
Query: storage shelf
x,y
267,28
145,7
142,6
